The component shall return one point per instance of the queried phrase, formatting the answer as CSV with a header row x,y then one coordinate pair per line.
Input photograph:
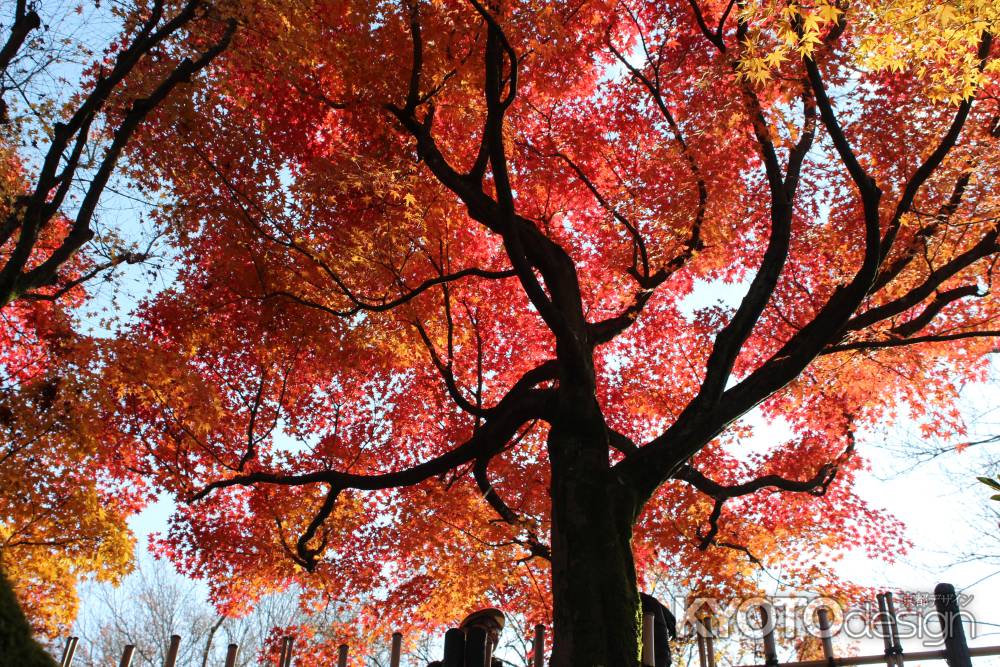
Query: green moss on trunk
x,y
17,647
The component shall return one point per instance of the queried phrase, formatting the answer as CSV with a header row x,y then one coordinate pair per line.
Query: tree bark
x,y
595,596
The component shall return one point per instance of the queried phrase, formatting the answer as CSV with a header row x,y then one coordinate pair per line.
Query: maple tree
x,y
62,508
445,325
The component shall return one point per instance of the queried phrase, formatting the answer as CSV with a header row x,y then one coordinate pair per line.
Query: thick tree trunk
x,y
595,598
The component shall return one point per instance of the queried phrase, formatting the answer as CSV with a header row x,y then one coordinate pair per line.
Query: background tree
x,y
63,510
155,602
447,325
971,452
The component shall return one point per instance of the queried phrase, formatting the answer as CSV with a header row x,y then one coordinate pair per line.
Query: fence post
x,y
454,648
175,645
897,646
397,649
68,652
883,619
285,655
539,646
475,647
648,640
767,625
825,633
955,647
709,641
126,660
232,651
342,655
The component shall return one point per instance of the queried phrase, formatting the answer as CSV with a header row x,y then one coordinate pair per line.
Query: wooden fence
x,y
472,646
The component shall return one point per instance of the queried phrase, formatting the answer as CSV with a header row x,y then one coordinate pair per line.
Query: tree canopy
x,y
487,300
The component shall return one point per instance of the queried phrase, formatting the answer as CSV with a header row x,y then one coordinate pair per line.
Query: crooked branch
x,y
816,485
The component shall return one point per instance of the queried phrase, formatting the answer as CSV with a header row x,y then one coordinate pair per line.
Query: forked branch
x,y
816,485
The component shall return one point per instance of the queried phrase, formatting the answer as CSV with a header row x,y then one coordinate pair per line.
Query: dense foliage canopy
x,y
465,289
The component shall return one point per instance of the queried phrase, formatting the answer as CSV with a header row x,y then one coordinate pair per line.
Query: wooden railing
x,y
462,648
472,646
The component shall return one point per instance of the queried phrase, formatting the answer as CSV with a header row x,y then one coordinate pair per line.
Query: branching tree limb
x,y
816,485
33,213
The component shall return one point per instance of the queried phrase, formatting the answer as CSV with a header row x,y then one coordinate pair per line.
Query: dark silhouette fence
x,y
462,648
473,646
